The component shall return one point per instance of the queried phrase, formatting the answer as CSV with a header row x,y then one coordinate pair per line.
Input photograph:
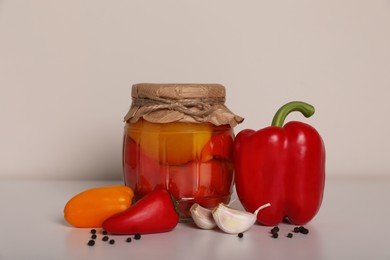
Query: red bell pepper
x,y
220,146
284,166
154,213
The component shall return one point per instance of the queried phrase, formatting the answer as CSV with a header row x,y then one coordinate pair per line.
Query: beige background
x,y
66,68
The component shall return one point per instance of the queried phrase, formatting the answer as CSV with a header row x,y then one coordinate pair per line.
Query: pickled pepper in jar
x,y
179,137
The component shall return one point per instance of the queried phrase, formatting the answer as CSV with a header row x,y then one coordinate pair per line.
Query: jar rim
x,y
185,128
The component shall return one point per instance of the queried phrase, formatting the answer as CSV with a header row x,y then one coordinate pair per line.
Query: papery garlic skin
x,y
234,221
202,217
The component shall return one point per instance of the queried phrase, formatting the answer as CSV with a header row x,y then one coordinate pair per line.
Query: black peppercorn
x,y
93,231
137,236
240,235
296,230
93,236
289,235
105,238
104,232
128,240
303,230
112,241
274,230
91,242
275,235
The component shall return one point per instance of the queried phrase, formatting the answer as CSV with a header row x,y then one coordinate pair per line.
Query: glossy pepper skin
x,y
154,213
91,207
282,165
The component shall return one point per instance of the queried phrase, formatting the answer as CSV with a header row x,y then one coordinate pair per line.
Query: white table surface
x,y
353,223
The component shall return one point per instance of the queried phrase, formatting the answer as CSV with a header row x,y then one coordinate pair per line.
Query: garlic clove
x,y
202,217
234,221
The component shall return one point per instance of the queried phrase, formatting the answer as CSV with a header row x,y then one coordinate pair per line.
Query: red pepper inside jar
x,y
180,137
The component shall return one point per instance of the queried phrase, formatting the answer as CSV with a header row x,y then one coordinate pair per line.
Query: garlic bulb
x,y
202,216
234,221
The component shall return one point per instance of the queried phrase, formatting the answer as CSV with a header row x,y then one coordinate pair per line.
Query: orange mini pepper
x,y
91,207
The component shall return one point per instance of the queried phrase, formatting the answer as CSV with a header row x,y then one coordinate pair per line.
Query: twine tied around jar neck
x,y
204,106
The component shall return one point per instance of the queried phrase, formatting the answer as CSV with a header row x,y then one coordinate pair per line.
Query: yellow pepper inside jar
x,y
170,143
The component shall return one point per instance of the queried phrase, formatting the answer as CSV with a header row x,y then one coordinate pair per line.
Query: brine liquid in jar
x,y
191,159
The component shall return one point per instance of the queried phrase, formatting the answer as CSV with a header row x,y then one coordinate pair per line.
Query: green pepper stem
x,y
306,109
175,204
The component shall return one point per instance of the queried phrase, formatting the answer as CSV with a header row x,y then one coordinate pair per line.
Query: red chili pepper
x,y
154,213
284,166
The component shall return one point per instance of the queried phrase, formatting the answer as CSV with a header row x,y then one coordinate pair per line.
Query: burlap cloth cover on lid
x,y
191,103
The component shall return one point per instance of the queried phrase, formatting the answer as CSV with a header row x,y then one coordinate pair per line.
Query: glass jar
x,y
179,137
